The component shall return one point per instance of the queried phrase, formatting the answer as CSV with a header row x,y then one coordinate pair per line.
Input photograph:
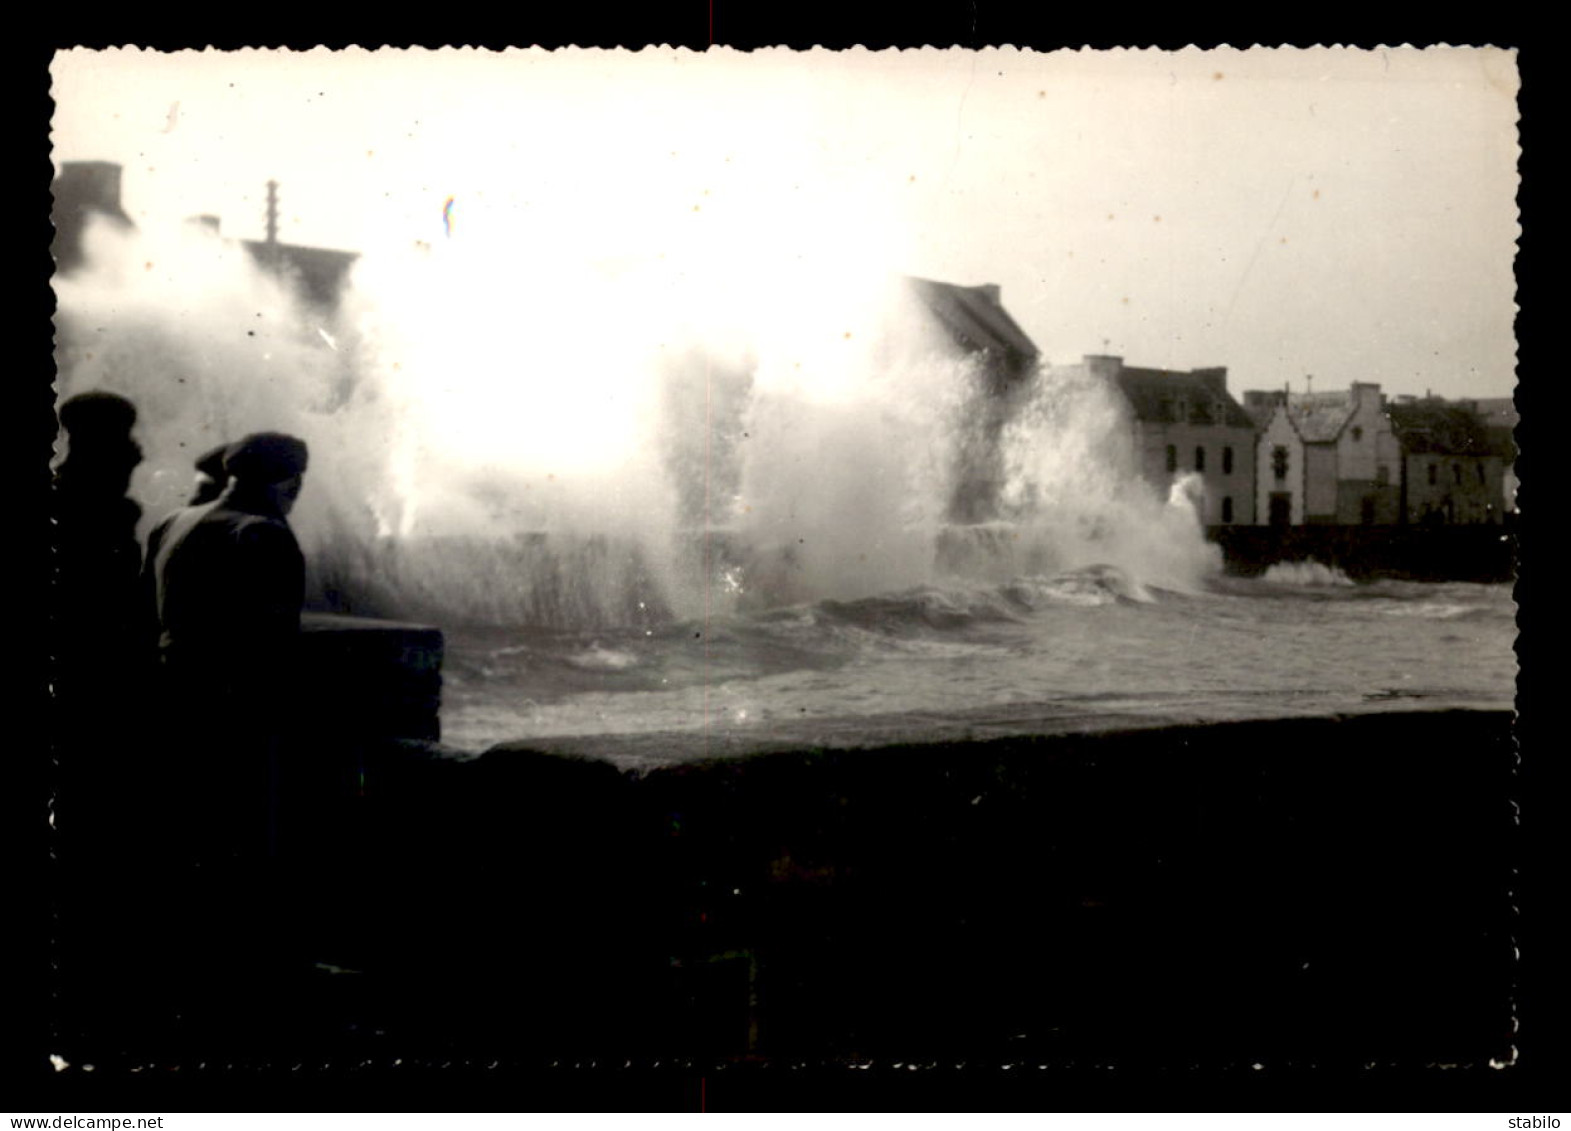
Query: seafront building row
x,y
1354,457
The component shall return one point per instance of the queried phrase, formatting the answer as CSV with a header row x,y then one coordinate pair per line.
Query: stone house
x,y
1325,458
1501,418
974,319
1185,421
1452,465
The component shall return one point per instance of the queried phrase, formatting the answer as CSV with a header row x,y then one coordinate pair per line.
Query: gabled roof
x,y
1320,417
1438,427
1261,412
975,319
1155,396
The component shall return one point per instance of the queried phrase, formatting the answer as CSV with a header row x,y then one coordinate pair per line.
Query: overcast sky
x,y
1338,213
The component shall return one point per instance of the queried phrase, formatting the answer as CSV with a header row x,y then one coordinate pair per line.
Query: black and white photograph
x,y
700,564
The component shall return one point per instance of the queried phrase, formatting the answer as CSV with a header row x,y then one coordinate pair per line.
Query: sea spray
x,y
210,348
499,438
1073,496
850,461
692,444
1306,574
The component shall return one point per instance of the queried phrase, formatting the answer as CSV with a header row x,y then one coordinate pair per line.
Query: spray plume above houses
x,y
1279,457
89,191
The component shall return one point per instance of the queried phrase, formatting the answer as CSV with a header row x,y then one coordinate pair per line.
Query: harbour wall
x,y
1305,890
1328,889
1484,554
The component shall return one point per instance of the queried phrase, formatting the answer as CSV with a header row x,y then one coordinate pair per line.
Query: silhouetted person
x,y
97,557
98,684
229,580
211,480
100,663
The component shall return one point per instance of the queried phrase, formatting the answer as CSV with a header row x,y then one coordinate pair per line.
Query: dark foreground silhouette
x,y
1329,892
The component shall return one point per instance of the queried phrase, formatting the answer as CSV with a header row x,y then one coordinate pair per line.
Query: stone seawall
x,y
1315,889
1215,882
1419,553
367,678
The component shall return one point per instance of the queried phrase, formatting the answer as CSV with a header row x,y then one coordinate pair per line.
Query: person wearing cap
x,y
100,450
228,584
229,575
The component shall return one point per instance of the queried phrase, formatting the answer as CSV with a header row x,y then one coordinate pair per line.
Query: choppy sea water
x,y
1299,639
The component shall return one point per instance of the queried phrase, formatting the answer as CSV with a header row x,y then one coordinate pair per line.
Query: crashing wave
x,y
1306,574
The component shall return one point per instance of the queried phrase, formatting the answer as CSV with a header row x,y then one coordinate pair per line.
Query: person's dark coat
x,y
94,604
99,662
93,600
229,580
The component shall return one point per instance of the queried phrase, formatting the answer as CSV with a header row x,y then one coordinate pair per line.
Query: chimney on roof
x,y
206,223
272,213
90,186
1103,365
83,189
1213,377
993,292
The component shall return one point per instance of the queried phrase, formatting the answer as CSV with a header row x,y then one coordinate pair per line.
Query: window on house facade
x,y
1383,475
1482,478
1227,508
1279,461
1172,458
1434,472
1456,473
1358,433
1227,461
1200,459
